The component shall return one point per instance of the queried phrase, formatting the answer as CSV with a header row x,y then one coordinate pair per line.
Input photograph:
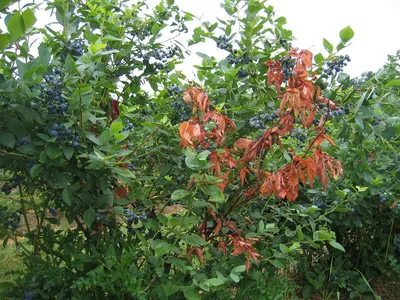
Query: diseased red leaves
x,y
244,245
114,110
275,74
191,134
195,97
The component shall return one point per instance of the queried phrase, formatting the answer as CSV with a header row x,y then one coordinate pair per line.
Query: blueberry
x,y
53,133
75,144
53,212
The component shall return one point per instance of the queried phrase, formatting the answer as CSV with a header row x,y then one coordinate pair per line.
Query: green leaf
x,y
15,27
179,194
179,263
214,192
116,126
318,58
4,41
7,139
35,170
6,286
300,234
89,216
119,210
394,82
28,18
66,196
44,55
6,3
321,235
96,47
193,240
308,291
214,282
68,151
53,151
162,248
328,46
346,34
359,122
336,245
105,136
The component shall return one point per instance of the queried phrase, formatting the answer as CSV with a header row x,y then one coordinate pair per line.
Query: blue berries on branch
x,y
128,126
75,48
288,64
64,134
261,120
299,134
12,184
13,220
23,141
224,43
159,57
235,60
336,64
133,219
51,91
180,109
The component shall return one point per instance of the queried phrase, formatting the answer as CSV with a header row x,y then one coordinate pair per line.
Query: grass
x,y
9,262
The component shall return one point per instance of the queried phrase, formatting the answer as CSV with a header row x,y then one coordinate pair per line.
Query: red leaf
x,y
243,143
199,253
329,139
115,110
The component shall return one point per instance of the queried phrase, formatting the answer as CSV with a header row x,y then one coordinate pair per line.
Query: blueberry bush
x,y
270,175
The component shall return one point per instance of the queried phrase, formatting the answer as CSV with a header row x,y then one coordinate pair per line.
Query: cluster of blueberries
x,y
233,60
224,43
242,73
160,56
347,108
51,91
75,48
180,108
12,184
336,64
259,121
298,134
134,219
128,126
102,219
333,113
174,90
377,120
14,220
53,211
23,141
288,64
64,134
131,167
382,198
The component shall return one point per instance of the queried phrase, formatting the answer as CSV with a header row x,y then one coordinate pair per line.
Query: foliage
x,y
210,188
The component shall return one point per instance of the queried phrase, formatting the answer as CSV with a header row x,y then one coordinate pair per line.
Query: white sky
x,y
376,25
